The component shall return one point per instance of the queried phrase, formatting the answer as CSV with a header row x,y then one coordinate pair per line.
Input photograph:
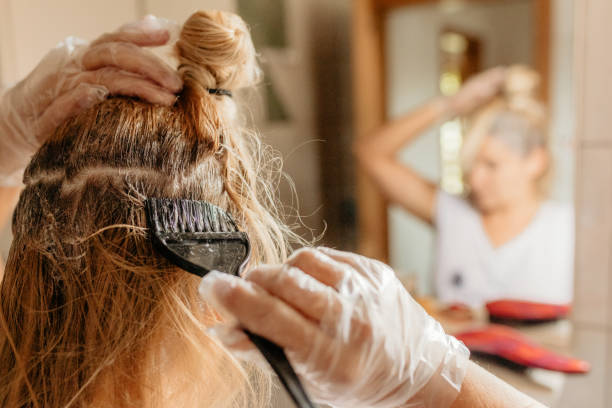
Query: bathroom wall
x,y
593,281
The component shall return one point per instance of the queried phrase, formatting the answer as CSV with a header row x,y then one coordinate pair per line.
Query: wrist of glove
x,y
76,75
352,332
33,108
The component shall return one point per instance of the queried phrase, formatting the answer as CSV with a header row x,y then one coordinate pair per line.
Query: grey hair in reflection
x,y
517,132
516,117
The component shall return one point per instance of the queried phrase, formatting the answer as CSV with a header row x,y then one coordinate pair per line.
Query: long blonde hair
x,y
517,117
90,314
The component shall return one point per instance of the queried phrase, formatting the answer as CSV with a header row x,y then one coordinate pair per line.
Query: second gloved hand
x,y
351,331
76,75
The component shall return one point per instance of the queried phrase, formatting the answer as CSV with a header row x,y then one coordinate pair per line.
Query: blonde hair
x,y
516,117
90,314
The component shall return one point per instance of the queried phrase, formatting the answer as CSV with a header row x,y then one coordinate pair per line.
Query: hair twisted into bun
x,y
517,117
521,92
216,51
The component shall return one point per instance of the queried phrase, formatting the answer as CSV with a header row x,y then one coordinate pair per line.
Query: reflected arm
x,y
400,184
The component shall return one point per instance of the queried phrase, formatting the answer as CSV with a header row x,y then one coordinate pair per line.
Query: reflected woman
x,y
505,239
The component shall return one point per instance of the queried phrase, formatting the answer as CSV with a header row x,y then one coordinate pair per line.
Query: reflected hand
x,y
351,331
478,90
75,76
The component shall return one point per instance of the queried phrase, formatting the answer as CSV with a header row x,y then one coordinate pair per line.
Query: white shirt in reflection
x,y
537,265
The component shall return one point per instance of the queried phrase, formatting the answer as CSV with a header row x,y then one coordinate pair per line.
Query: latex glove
x,y
352,332
76,75
478,90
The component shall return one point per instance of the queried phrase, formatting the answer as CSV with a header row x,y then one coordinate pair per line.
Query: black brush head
x,y
200,237
197,236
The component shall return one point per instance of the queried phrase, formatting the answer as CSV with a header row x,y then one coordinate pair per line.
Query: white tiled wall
x,y
593,303
588,390
594,178
594,222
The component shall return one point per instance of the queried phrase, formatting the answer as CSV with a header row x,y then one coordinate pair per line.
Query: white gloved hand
x,y
352,332
75,76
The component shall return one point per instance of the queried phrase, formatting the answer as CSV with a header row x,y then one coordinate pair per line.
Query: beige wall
x,y
593,300
32,27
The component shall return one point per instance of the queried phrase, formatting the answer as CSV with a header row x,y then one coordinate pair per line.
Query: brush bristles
x,y
176,215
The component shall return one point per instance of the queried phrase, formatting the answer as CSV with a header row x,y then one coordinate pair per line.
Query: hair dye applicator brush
x,y
200,237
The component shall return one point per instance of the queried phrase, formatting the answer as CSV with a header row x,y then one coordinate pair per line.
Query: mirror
x,y
428,48
409,55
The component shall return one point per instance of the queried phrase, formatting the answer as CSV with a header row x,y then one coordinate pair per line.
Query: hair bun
x,y
215,50
521,90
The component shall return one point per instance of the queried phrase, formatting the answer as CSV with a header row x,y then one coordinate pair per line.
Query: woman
x,y
91,316
497,241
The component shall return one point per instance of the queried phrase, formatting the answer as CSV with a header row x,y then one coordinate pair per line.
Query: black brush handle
x,y
278,361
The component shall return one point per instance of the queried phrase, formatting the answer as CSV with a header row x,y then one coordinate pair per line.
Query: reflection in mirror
x,y
475,161
504,180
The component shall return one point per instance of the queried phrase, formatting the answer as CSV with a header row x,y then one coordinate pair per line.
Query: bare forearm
x,y
391,137
482,389
398,182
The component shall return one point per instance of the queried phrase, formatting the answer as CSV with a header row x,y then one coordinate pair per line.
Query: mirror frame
x,y
370,97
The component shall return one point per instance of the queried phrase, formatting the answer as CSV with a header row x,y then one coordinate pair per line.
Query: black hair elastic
x,y
219,91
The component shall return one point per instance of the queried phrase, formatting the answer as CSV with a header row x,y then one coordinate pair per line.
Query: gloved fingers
x,y
344,257
140,38
67,105
357,263
260,312
149,31
238,344
150,23
301,291
132,58
127,84
319,266
232,337
30,97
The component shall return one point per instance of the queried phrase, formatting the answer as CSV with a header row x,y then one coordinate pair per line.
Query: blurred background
x,y
421,46
337,69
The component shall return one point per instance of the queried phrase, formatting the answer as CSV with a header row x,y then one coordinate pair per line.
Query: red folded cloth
x,y
526,311
509,344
